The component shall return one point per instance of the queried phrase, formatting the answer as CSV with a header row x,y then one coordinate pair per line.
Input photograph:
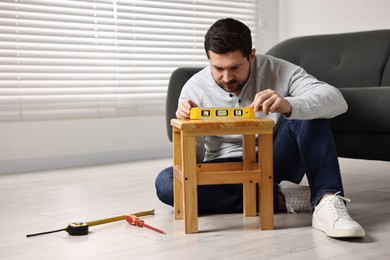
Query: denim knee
x,y
164,186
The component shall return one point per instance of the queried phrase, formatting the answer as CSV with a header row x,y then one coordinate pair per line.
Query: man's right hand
x,y
183,111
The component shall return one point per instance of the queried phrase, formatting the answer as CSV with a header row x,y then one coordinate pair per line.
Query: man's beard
x,y
231,86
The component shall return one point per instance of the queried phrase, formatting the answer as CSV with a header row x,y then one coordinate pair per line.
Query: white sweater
x,y
309,98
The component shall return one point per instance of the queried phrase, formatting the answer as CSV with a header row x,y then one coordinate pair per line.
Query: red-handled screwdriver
x,y
135,221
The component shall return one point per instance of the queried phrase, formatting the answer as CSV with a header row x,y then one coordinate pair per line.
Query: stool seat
x,y
250,172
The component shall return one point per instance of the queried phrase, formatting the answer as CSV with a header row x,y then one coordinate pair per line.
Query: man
x,y
303,142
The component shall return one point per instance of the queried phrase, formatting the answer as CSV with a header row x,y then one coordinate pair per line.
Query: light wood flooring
x,y
43,201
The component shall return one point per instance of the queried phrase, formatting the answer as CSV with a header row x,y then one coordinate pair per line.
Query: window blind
x,y
99,58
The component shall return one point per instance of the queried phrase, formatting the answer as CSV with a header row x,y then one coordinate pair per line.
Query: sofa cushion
x,y
368,111
342,60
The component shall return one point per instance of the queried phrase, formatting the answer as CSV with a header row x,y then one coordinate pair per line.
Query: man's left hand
x,y
269,101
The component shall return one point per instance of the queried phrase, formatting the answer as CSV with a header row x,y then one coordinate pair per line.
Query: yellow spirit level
x,y
222,112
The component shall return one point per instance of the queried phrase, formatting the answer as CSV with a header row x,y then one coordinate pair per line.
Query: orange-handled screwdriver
x,y
135,221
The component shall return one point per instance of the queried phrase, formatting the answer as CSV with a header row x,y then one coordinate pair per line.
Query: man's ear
x,y
252,56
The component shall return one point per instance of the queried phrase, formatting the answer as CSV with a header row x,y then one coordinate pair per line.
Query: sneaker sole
x,y
287,187
337,233
292,186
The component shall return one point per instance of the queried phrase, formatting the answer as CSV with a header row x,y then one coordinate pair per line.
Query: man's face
x,y
231,70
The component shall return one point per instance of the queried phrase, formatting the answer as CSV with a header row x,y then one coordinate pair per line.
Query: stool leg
x,y
177,174
190,184
266,205
177,197
249,163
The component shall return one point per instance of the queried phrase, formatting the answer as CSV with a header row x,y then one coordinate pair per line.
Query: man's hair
x,y
227,35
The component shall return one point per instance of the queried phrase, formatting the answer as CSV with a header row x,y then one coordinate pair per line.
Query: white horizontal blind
x,y
73,59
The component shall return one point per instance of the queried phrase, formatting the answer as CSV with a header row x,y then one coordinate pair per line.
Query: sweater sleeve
x,y
193,89
311,98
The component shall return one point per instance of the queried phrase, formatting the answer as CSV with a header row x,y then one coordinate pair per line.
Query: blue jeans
x,y
300,146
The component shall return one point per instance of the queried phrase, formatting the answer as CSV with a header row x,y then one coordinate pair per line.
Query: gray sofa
x,y
356,63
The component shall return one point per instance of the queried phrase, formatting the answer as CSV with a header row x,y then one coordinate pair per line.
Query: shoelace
x,y
337,201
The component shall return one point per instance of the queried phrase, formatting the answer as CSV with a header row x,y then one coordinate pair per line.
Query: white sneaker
x,y
297,196
331,216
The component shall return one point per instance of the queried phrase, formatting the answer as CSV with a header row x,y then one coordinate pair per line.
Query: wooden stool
x,y
188,174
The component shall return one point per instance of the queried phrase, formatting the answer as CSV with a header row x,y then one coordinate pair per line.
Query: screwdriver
x,y
135,221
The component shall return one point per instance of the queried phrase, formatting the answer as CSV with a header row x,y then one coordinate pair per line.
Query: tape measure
x,y
77,229
222,112
82,228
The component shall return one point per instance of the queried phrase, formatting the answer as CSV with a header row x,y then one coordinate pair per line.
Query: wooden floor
x,y
42,201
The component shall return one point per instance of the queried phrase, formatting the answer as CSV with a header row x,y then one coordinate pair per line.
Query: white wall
x,y
37,145
268,25
308,17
